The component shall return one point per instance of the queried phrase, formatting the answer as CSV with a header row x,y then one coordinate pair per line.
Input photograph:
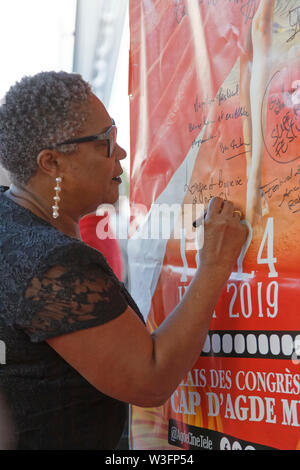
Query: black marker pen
x,y
195,221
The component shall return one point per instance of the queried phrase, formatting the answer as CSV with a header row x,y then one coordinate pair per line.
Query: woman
x,y
77,347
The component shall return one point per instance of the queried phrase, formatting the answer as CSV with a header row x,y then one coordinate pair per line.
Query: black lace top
x,y
52,284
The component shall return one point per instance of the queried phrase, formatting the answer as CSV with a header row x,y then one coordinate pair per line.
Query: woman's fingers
x,y
227,209
214,207
218,205
224,234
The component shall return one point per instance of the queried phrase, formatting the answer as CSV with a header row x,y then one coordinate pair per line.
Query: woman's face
x,y
88,178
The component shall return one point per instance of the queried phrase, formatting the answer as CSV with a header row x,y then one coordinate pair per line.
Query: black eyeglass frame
x,y
110,136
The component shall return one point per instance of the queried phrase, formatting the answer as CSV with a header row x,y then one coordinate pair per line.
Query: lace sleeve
x,y
66,298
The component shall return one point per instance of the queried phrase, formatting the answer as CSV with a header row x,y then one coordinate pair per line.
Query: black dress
x,y
52,284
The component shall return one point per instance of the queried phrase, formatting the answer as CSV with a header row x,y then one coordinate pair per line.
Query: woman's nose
x,y
120,152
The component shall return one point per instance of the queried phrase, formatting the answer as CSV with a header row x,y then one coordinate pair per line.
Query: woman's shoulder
x,y
28,241
50,247
70,251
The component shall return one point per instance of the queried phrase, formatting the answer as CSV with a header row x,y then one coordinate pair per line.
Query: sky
x,y
35,35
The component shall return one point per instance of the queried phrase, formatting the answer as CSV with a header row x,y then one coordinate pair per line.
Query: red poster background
x,y
190,64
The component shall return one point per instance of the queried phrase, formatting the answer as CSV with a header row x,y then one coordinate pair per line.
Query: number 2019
x,y
246,299
246,290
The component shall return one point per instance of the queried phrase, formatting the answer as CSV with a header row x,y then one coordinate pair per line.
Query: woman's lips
x,y
117,179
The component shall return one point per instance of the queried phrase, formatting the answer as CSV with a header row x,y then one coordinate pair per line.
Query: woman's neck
x,y
35,204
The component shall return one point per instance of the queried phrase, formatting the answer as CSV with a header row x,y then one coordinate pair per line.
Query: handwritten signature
x,y
200,125
294,20
234,145
199,105
219,186
198,142
224,94
284,133
228,93
291,185
293,204
276,105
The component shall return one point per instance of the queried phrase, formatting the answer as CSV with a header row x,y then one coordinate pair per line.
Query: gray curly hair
x,y
39,112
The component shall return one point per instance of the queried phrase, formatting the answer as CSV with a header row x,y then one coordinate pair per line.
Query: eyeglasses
x,y
110,136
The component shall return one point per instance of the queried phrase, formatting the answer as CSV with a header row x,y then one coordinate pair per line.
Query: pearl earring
x,y
56,198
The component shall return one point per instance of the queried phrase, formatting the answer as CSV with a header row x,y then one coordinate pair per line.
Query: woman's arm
x,y
122,359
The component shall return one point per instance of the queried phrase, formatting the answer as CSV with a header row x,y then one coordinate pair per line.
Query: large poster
x,y
215,111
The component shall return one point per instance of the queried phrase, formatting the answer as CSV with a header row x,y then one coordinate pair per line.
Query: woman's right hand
x,y
224,236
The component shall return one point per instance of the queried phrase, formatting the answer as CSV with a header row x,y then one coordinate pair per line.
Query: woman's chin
x,y
109,199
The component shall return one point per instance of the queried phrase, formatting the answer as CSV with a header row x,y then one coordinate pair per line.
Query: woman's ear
x,y
48,163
